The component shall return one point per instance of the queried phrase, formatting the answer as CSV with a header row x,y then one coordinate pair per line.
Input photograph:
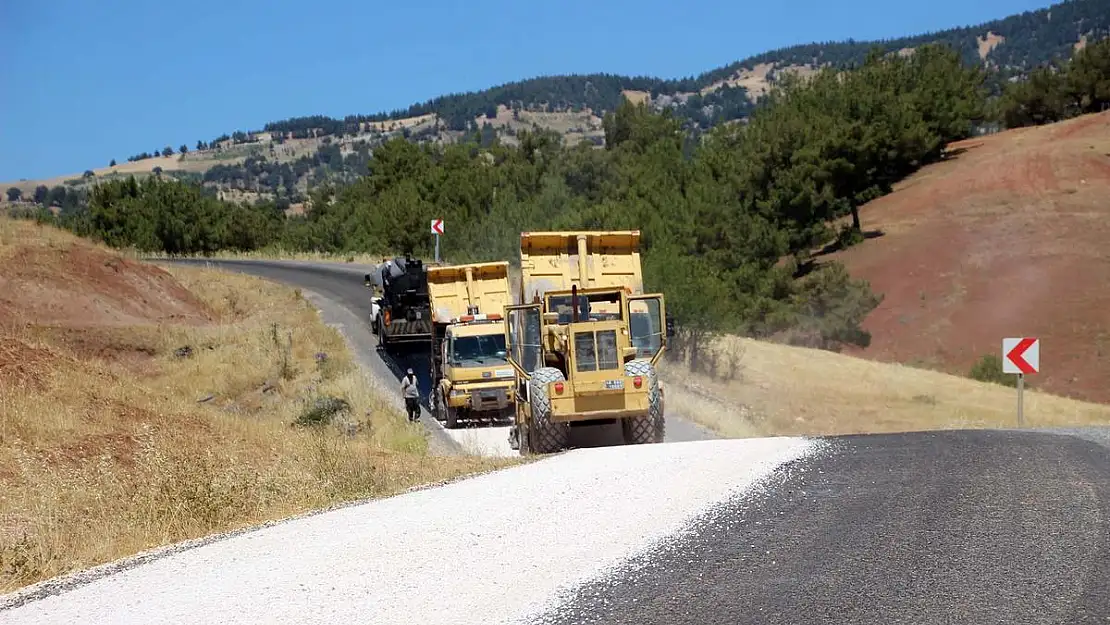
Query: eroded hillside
x,y
1007,238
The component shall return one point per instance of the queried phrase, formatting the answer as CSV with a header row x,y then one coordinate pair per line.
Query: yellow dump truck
x,y
471,377
584,341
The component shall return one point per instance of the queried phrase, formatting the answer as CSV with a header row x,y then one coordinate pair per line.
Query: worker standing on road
x,y
411,392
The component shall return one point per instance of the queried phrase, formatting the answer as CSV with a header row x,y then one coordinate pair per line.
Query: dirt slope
x,y
80,285
1008,238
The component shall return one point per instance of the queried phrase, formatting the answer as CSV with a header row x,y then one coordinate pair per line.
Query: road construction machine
x,y
401,311
471,376
585,340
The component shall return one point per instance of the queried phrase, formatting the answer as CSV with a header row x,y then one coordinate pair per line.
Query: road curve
x,y
336,286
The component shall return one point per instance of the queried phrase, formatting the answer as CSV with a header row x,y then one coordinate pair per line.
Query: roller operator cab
x,y
400,307
471,375
585,343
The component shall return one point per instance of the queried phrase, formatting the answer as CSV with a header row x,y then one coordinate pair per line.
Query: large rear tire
x,y
652,427
545,435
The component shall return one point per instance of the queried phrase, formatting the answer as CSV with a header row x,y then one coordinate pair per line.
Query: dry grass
x,y
112,441
781,390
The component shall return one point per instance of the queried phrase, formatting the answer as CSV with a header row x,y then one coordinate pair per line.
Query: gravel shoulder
x,y
504,540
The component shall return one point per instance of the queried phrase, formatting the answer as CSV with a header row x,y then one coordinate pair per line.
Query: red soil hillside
x,y
63,299
1011,237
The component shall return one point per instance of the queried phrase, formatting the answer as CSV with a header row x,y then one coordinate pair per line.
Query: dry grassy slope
x,y
110,443
1009,238
766,389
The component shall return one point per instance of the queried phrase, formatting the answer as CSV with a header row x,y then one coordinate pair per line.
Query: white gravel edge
x,y
70,581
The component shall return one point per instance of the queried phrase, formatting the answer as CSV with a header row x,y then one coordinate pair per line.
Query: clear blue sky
x,y
85,81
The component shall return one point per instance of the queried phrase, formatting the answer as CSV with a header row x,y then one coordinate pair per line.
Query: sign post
x,y
437,229
1021,356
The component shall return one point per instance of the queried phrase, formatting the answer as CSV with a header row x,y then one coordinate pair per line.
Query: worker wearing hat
x,y
411,392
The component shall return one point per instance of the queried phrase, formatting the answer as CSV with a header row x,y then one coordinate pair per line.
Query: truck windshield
x,y
592,307
477,351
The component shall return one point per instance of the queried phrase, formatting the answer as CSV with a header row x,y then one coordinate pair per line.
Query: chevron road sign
x,y
1021,356
437,229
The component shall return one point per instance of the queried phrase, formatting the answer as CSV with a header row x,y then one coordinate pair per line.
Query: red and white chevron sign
x,y
1021,355
437,226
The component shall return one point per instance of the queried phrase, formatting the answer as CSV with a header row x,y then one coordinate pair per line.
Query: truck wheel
x,y
545,436
652,427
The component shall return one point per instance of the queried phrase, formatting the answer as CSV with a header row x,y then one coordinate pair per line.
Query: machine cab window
x,y
591,307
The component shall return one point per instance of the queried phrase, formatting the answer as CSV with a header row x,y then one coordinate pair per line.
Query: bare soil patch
x,y
988,42
1008,238
80,285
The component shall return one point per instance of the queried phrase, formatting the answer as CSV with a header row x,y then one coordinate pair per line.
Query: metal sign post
x,y
1021,392
437,229
1021,356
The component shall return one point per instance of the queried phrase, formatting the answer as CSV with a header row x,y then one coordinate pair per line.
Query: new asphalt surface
x,y
983,527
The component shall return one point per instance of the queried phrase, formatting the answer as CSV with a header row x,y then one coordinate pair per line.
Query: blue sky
x,y
85,82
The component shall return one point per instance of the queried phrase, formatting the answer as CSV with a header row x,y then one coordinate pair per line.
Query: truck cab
x,y
476,376
471,374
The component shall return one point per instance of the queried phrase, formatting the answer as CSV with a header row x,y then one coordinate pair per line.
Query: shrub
x,y
989,369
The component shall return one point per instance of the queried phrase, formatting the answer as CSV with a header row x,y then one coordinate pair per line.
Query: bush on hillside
x,y
989,369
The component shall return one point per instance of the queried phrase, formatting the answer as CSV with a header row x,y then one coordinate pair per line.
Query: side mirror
x,y
670,326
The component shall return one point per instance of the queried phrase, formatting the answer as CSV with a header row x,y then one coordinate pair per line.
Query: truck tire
x,y
545,436
652,427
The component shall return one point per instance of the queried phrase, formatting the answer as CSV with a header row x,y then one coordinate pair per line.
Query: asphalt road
x,y
984,527
342,296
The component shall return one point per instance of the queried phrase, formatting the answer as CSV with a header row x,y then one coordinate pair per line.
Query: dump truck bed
x,y
452,292
556,261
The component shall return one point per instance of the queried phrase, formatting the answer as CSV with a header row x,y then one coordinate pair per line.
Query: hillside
x,y
1006,239
287,158
142,406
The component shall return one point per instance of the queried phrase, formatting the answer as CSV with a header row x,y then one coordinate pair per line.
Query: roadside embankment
x,y
141,406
